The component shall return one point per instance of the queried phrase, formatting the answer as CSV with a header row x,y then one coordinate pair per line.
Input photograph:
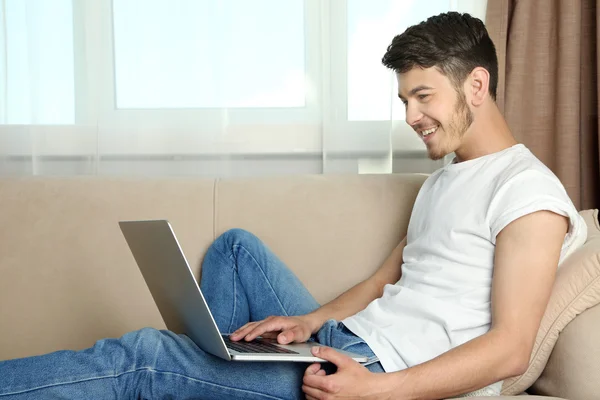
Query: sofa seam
x,y
215,198
575,300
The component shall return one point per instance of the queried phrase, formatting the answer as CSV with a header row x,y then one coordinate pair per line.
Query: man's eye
x,y
423,96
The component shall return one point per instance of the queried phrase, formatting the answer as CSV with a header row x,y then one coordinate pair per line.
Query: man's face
x,y
435,110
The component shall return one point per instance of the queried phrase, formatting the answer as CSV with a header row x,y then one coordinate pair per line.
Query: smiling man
x,y
486,234
453,310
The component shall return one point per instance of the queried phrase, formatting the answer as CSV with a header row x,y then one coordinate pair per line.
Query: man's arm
x,y
525,263
350,302
359,296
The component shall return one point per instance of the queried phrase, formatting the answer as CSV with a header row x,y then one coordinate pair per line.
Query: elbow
x,y
520,366
516,353
518,360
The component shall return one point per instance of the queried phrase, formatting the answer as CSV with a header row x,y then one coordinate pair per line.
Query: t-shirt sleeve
x,y
531,191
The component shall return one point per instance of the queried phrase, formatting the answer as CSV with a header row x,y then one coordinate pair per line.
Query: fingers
x,y
295,334
243,331
252,330
271,324
285,337
270,335
313,369
329,354
312,393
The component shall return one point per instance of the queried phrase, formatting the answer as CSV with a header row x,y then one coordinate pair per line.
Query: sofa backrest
x,y
67,277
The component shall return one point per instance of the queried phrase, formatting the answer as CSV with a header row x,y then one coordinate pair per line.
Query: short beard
x,y
462,118
460,122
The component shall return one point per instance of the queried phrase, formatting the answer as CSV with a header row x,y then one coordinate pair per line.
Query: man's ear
x,y
478,85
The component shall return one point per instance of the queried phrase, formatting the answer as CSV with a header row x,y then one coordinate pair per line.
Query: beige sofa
x,y
67,277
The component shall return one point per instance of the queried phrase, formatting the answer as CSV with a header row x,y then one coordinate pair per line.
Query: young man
x,y
455,308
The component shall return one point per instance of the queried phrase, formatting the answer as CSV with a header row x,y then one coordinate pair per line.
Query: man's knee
x,y
144,339
236,237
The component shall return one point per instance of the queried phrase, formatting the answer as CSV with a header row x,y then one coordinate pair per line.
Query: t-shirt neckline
x,y
454,166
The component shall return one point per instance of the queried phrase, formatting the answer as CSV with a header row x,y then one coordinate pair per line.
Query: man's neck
x,y
488,134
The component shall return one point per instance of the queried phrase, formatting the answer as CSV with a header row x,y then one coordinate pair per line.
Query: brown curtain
x,y
548,85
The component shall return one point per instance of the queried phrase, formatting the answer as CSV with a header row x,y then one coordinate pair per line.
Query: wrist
x,y
314,321
395,385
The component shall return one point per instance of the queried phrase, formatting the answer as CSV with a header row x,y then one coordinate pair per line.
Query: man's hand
x,y
285,329
351,381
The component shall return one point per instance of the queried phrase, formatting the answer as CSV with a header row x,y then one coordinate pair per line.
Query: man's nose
x,y
413,115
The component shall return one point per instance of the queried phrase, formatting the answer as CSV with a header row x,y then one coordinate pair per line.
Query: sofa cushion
x,y
67,277
577,288
332,231
572,370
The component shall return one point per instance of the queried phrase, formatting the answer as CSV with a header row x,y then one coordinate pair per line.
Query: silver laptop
x,y
182,305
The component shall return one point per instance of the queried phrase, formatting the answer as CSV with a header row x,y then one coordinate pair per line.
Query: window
x,y
209,54
38,60
207,76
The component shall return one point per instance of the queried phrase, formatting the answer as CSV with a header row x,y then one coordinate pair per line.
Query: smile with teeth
x,y
429,131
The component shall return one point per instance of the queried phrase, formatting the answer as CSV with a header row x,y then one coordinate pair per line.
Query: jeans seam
x,y
264,275
234,302
231,257
152,370
72,382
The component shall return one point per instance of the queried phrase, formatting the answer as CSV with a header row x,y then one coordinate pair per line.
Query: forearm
x,y
480,362
349,303
359,296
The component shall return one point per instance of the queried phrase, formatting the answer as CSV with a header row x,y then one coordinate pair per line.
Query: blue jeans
x,y
242,281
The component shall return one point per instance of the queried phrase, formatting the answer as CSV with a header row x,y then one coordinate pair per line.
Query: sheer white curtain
x,y
205,87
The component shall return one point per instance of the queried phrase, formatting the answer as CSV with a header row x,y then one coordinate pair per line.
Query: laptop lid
x,y
172,283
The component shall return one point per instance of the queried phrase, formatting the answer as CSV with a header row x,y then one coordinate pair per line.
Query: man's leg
x,y
146,364
243,281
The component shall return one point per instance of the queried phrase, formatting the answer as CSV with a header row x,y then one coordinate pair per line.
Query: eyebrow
x,y
415,90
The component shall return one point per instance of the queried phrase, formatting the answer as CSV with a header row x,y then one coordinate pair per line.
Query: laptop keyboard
x,y
255,346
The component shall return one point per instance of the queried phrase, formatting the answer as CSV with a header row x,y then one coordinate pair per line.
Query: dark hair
x,y
454,43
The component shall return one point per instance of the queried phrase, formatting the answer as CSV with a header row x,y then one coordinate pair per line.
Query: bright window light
x,y
193,53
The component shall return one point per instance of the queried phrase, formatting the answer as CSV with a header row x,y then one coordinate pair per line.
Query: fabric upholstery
x,y
572,371
67,277
333,232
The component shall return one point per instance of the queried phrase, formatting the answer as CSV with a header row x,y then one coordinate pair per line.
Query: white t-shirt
x,y
444,296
